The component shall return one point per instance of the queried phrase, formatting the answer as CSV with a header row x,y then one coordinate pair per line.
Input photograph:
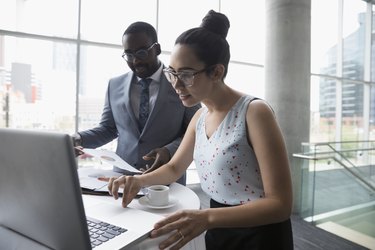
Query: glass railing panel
x,y
338,190
335,188
307,188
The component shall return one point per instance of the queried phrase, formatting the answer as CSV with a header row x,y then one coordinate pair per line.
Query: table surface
x,y
186,199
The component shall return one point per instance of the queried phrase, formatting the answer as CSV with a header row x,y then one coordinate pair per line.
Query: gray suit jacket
x,y
165,126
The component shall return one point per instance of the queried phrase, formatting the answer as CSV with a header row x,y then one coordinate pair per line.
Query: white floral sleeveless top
x,y
226,163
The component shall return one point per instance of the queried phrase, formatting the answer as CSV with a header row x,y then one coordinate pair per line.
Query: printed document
x,y
110,157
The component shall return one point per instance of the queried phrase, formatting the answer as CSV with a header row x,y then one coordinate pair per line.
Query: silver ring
x,y
182,236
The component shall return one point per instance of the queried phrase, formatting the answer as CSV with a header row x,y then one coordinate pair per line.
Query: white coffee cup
x,y
158,195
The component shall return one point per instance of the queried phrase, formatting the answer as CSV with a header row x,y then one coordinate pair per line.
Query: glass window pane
x,y
252,84
247,30
41,86
352,111
354,27
314,109
372,113
324,37
177,16
373,45
45,17
94,77
323,109
164,58
106,21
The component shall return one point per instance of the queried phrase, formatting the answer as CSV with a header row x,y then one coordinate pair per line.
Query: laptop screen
x,y
40,196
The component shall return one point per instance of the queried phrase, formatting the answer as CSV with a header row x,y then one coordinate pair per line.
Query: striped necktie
x,y
144,106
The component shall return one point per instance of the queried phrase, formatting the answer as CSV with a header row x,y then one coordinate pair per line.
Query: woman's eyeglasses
x,y
186,76
141,54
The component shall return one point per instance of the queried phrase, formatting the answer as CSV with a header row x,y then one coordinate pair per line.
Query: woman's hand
x,y
130,184
185,225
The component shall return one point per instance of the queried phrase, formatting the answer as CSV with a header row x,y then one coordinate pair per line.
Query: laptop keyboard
x,y
101,232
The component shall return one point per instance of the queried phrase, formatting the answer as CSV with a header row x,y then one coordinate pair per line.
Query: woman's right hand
x,y
130,184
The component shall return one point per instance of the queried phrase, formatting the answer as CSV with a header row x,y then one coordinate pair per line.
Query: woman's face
x,y
186,65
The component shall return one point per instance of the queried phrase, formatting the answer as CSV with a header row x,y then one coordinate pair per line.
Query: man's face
x,y
141,53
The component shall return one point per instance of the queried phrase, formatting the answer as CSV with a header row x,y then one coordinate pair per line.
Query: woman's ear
x,y
217,72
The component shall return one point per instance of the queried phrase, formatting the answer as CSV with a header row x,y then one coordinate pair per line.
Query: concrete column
x,y
287,76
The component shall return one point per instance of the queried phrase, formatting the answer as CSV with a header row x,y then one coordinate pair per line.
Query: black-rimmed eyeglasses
x,y
186,76
141,54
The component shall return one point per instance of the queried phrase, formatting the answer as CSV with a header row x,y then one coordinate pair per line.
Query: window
x,y
31,16
39,79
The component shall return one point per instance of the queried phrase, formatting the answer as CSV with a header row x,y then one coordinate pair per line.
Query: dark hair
x,y
142,27
209,40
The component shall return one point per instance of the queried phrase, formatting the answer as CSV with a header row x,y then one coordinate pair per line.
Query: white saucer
x,y
144,202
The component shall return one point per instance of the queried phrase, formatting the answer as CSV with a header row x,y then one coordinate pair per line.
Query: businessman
x,y
141,107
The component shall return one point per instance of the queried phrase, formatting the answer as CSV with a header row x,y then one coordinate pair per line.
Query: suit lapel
x,y
126,99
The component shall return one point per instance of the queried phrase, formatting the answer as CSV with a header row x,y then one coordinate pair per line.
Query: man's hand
x,y
78,151
77,141
160,156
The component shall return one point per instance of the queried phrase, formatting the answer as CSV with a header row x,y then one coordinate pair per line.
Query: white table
x,y
187,199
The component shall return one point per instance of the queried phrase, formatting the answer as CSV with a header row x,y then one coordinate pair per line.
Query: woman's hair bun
x,y
216,22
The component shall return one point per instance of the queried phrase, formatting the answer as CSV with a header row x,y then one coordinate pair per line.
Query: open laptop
x,y
41,201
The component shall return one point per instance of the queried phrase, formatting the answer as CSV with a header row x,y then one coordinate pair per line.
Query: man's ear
x,y
158,49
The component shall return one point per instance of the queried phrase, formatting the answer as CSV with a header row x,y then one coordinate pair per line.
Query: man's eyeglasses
x,y
141,54
186,76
